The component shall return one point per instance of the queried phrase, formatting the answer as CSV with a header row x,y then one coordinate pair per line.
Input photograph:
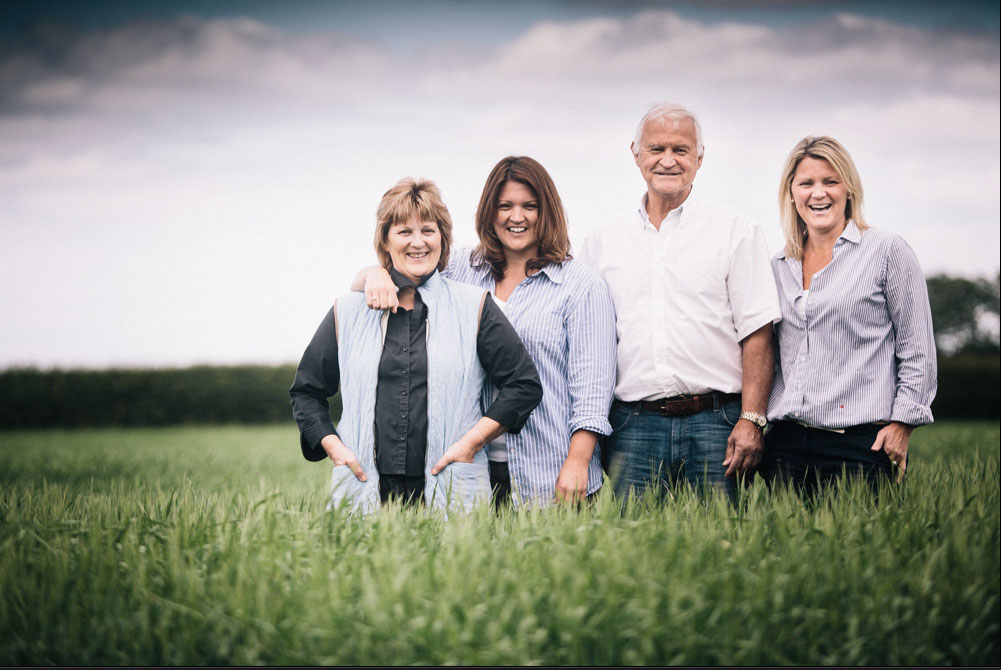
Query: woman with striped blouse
x,y
563,312
856,370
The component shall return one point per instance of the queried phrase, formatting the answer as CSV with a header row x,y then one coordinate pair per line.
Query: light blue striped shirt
x,y
864,350
565,317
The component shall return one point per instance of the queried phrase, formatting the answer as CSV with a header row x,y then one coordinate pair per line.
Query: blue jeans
x,y
647,448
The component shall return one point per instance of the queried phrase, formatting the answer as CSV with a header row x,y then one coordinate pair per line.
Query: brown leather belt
x,y
681,405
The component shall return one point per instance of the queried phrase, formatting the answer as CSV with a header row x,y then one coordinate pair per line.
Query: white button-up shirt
x,y
684,296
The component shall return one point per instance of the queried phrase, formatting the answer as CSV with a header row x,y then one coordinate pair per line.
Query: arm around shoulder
x,y
380,291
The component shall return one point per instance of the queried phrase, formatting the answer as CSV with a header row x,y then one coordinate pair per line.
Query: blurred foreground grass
x,y
211,546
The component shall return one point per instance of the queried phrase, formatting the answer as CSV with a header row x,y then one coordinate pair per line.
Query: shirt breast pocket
x,y
543,334
702,274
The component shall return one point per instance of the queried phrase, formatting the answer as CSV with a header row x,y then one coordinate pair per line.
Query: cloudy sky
x,y
194,182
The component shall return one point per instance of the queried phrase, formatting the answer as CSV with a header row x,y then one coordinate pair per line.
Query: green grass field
x,y
212,546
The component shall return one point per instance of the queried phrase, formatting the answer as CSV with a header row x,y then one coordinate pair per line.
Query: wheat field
x,y
211,545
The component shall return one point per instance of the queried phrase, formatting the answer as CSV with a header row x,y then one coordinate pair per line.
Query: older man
x,y
695,302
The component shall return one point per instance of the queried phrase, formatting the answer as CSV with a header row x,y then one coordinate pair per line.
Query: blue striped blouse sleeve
x,y
591,358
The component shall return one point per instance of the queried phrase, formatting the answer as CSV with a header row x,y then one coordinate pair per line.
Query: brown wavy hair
x,y
412,198
554,241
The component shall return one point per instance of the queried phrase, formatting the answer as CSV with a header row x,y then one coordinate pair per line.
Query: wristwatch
x,y
758,419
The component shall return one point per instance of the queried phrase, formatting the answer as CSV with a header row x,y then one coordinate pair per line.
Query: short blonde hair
x,y
409,199
823,148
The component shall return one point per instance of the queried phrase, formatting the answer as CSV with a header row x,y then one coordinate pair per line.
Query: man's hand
x,y
460,452
893,439
746,442
743,448
341,455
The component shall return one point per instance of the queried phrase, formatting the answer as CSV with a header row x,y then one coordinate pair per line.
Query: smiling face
x,y
517,222
820,196
414,247
667,156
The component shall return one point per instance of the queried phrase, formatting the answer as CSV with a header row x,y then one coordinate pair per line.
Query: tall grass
x,y
211,546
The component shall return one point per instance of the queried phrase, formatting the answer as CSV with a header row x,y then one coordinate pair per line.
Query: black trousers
x,y
409,490
813,457
500,483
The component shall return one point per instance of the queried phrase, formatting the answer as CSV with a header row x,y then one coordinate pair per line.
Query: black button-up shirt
x,y
401,396
401,392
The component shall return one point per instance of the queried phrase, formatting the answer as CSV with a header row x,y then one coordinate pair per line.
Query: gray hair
x,y
673,112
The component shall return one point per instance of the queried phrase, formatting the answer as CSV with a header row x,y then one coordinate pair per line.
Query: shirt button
x,y
403,415
405,348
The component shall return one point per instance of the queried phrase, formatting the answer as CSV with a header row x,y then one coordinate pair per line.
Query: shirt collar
x,y
403,282
676,214
851,233
554,271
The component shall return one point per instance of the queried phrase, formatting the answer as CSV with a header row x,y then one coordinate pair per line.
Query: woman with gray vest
x,y
564,315
410,381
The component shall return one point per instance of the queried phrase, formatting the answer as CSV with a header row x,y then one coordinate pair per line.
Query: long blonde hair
x,y
830,150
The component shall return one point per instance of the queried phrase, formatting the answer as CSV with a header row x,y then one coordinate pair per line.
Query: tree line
x,y
965,314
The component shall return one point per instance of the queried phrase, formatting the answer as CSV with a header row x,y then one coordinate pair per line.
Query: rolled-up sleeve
x,y
509,367
316,379
910,313
591,359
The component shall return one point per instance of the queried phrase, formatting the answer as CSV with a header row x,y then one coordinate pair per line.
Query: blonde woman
x,y
856,370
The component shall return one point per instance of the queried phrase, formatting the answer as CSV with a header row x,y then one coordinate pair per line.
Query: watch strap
x,y
757,418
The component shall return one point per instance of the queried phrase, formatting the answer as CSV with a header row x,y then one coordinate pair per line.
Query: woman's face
x,y
820,195
414,247
517,218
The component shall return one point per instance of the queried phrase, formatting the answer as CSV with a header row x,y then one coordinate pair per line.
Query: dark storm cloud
x,y
190,61
56,68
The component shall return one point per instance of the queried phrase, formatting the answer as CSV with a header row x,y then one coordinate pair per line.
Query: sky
x,y
195,182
